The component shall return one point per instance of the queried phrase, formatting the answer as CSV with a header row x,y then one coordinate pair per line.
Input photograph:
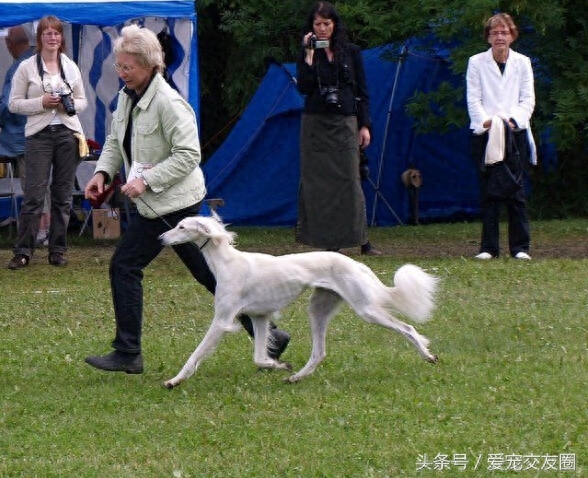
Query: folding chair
x,y
10,188
84,173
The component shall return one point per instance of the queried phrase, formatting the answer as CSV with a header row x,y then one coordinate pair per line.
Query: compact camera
x,y
68,104
330,95
315,43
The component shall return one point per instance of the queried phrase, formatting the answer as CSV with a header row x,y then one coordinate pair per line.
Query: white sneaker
x,y
42,239
523,255
485,256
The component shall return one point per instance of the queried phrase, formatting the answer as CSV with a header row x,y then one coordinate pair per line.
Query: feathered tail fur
x,y
414,292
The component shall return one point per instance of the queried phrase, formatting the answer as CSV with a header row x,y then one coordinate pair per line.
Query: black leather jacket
x,y
346,75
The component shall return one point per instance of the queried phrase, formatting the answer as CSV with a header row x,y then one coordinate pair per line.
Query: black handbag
x,y
503,181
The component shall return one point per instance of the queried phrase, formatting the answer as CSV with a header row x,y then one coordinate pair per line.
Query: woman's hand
x,y
307,48
364,137
488,123
134,188
50,101
306,41
95,187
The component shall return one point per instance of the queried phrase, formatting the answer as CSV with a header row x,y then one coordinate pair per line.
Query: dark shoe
x,y
368,250
277,343
18,262
117,362
56,259
371,252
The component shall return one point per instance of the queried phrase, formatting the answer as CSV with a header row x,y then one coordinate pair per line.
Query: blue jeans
x,y
138,246
53,147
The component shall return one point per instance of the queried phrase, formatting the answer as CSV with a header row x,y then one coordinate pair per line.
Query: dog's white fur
x,y
261,285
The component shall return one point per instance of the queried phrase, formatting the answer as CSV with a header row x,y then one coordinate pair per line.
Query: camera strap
x,y
318,75
42,71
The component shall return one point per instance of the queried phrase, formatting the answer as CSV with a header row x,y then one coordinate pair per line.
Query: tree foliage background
x,y
239,37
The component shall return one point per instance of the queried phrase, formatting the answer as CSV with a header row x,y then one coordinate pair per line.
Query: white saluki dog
x,y
260,285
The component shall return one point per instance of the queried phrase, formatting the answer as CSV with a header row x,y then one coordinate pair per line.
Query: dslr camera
x,y
68,103
315,43
331,96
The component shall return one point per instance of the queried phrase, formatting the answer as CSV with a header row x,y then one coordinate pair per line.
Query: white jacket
x,y
490,93
26,95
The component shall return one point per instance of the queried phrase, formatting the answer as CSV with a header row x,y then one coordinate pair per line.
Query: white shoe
x,y
485,256
523,255
42,239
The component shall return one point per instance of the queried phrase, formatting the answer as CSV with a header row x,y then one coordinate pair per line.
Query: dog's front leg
x,y
261,337
205,348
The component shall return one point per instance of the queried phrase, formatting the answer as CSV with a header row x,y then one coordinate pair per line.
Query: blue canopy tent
x,y
256,170
94,25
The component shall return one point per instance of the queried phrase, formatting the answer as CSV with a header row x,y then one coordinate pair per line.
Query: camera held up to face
x,y
316,44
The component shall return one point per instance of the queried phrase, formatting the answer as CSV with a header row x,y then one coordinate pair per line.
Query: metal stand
x,y
377,183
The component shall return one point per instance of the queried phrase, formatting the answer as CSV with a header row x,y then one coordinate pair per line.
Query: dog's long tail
x,y
414,292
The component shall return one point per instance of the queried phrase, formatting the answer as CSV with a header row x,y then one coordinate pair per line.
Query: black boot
x,y
117,362
277,341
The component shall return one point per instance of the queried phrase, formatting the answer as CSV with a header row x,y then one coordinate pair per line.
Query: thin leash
x,y
159,216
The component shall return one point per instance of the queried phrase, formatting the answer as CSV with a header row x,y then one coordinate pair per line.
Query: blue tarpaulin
x,y
256,170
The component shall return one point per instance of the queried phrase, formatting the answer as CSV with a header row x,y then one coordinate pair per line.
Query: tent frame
x,y
377,184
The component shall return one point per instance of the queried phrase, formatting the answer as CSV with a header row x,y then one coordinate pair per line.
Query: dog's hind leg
x,y
377,316
323,306
205,348
261,337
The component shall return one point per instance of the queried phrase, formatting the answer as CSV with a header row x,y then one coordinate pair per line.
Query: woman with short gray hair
x,y
154,136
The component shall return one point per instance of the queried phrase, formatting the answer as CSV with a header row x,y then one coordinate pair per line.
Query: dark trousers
x,y
53,147
518,224
519,236
138,246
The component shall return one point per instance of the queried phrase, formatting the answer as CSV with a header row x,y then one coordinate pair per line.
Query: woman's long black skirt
x,y
331,204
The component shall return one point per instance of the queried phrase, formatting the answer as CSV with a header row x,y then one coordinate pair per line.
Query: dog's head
x,y
412,178
197,228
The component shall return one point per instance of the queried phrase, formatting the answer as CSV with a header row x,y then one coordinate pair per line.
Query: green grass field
x,y
508,397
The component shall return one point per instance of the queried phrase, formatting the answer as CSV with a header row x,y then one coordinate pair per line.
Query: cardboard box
x,y
106,223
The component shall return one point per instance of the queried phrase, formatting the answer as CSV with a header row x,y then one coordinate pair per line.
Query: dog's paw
x,y
433,359
169,384
274,365
292,379
287,366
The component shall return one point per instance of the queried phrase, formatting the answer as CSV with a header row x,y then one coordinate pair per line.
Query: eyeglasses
x,y
125,68
51,34
500,33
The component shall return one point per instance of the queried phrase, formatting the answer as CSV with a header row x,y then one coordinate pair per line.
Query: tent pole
x,y
376,186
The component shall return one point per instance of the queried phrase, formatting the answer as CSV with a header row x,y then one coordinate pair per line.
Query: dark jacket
x,y
346,75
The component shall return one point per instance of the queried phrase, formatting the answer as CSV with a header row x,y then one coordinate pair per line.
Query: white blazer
x,y
508,95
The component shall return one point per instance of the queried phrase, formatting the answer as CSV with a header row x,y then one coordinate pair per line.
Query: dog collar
x,y
203,245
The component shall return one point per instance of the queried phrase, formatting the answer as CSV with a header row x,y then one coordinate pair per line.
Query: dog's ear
x,y
215,216
211,229
203,229
416,179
